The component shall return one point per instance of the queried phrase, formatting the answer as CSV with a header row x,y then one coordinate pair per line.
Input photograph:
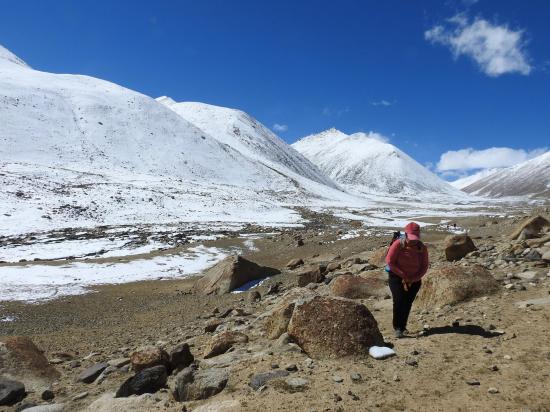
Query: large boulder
x,y
448,284
181,357
531,228
148,356
223,342
193,385
333,327
231,273
108,403
277,319
358,287
21,360
458,246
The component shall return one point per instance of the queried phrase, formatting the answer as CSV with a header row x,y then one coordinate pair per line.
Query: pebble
x,y
80,396
411,362
291,367
472,382
493,368
507,357
337,379
492,390
355,377
396,378
47,395
297,383
309,363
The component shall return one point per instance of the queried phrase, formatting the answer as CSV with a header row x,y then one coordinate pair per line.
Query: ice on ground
x,y
7,318
36,282
249,285
381,352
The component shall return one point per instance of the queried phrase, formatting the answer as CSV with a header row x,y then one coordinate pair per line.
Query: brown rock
x,y
212,324
278,318
531,228
147,357
21,360
448,284
294,263
310,275
231,273
333,327
331,267
378,257
358,287
458,246
223,342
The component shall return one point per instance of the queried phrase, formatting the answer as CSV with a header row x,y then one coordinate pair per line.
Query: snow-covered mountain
x,y
366,164
79,151
468,180
245,134
530,178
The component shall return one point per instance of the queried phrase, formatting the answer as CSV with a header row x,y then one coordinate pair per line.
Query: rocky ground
x,y
479,333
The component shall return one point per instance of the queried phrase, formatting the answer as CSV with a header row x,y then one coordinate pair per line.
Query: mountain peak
x,y
10,58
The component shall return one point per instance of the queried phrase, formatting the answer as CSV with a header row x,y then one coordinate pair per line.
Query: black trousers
x,y
402,300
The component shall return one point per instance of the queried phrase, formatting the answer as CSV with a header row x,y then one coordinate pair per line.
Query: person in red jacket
x,y
407,261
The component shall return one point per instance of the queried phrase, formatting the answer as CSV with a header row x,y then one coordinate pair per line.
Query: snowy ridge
x,y
366,164
245,134
468,180
80,151
530,178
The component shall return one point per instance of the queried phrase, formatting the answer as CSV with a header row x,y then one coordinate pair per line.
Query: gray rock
x,y
119,362
11,391
181,357
337,379
529,275
54,407
47,395
148,380
260,379
192,385
80,396
297,384
90,374
356,377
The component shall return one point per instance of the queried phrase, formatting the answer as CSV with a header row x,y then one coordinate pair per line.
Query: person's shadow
x,y
462,329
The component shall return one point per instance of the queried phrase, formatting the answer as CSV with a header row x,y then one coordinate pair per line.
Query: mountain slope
x,y
79,151
530,178
248,136
364,163
468,180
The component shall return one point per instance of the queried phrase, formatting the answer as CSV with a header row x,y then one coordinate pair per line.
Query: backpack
x,y
398,237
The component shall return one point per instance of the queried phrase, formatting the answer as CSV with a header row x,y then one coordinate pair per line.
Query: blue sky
x,y
424,73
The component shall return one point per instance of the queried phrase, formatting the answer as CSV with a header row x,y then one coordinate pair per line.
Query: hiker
x,y
407,261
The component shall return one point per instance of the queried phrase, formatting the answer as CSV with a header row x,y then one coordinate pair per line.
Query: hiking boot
x,y
398,333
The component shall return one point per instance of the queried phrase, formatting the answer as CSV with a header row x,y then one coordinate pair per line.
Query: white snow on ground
x,y
38,282
7,319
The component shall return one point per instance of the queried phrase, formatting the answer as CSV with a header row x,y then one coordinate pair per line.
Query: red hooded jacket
x,y
408,261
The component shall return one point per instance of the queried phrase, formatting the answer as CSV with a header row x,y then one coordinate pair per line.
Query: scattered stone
x,y
254,296
231,273
311,275
472,382
80,396
337,379
342,327
181,357
148,380
223,342
108,403
396,378
530,228
211,325
458,246
378,257
90,374
219,406
118,362
260,379
47,395
411,362
492,390
192,385
54,407
146,357
11,391
294,263
355,377
493,368
291,367
297,384
331,267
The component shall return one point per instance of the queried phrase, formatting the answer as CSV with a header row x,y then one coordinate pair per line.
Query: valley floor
x,y
430,371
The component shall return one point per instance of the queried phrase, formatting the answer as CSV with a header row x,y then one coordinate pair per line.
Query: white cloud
x,y
280,127
496,49
470,159
372,135
381,103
